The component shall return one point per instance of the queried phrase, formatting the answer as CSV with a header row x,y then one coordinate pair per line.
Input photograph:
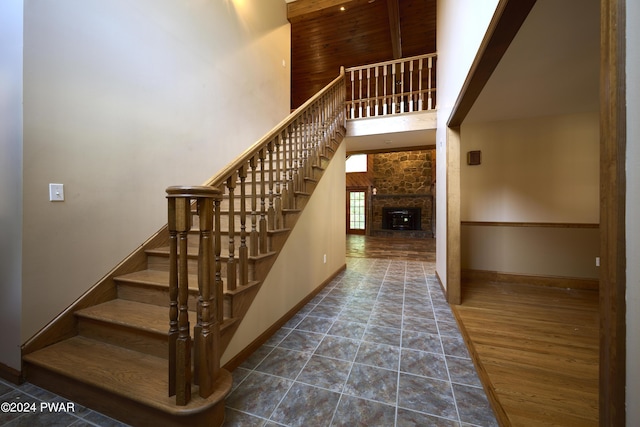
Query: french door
x,y
356,210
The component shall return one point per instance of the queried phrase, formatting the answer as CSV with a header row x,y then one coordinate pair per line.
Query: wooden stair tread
x,y
127,373
146,317
160,278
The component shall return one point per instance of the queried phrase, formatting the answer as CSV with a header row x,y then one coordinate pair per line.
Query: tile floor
x,y
377,347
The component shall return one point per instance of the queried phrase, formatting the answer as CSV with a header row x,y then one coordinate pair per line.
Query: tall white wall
x,y
11,28
461,27
122,99
633,213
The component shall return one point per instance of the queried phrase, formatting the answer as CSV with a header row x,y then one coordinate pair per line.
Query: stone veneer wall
x,y
403,179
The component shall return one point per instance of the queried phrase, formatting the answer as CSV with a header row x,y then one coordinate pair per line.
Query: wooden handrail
x,y
278,166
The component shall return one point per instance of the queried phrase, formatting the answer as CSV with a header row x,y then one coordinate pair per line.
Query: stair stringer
x,y
281,240
299,268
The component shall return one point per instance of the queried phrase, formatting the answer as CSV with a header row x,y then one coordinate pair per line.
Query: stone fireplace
x,y
403,203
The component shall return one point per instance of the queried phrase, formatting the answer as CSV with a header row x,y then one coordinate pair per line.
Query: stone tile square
x,y
355,412
463,371
420,324
421,341
407,418
354,315
372,383
346,329
427,395
338,348
305,405
301,341
326,373
455,346
382,335
256,357
473,406
233,418
380,355
258,394
277,337
449,329
424,364
283,362
315,324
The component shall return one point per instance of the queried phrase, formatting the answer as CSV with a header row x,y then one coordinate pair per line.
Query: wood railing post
x,y
206,331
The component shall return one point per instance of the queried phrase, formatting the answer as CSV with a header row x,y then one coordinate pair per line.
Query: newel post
x,y
207,331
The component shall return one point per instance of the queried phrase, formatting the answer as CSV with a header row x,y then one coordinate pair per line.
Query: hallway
x,y
377,347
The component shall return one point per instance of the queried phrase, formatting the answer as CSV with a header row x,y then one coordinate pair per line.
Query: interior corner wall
x,y
456,53
633,212
300,267
11,31
121,100
534,170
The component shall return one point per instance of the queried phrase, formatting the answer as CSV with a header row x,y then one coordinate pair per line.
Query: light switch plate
x,y
56,192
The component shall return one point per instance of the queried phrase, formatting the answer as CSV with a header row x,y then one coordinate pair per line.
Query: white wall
x,y
535,170
633,213
300,268
11,27
461,27
123,98
541,169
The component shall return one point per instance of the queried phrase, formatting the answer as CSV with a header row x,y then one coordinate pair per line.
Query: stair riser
x,y
161,262
155,344
160,297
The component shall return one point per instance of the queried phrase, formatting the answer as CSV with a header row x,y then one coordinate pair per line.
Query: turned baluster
x,y
262,227
271,213
296,156
231,260
243,252
279,222
430,100
287,191
253,237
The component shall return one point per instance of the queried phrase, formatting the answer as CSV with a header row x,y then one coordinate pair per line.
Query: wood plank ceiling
x,y
324,37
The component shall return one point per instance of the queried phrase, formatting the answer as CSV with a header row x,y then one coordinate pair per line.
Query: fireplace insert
x,y
401,219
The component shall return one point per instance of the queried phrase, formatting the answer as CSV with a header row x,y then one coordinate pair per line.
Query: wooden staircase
x,y
110,350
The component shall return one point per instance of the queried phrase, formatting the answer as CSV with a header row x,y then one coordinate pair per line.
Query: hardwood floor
x,y
535,347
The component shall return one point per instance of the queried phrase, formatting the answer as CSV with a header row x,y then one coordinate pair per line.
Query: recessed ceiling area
x,y
550,68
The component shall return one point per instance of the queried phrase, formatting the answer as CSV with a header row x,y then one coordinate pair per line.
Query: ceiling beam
x,y
394,25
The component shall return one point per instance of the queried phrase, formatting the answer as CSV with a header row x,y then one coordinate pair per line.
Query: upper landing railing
x,y
392,87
